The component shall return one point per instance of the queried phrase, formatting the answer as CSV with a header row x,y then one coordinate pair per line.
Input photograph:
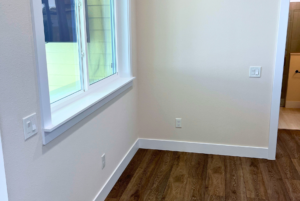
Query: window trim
x,y
104,90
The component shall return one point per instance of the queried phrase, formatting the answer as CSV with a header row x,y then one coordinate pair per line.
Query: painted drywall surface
x,y
3,186
68,168
193,62
293,90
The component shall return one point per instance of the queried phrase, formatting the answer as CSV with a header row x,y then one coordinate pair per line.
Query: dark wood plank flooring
x,y
155,175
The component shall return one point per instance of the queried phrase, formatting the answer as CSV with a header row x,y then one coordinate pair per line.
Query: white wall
x,y
193,62
3,186
68,168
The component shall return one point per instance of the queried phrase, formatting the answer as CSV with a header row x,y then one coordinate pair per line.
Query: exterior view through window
x,y
69,26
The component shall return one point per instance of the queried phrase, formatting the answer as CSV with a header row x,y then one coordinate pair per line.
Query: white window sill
x,y
67,115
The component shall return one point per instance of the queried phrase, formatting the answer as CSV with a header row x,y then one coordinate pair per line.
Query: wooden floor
x,y
289,118
166,175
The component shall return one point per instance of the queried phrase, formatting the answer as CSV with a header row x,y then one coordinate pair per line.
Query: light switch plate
x,y
255,71
30,126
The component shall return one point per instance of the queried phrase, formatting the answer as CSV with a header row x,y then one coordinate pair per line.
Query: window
x,y
78,36
83,58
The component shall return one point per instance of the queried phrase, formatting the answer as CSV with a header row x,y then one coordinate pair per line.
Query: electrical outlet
x,y
29,125
103,161
178,122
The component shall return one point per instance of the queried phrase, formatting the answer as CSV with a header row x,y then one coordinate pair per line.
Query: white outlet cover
x,y
30,126
103,161
178,123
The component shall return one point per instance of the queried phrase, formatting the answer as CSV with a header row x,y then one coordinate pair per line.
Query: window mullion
x,y
112,25
82,44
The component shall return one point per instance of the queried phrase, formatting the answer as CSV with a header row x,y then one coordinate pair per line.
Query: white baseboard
x,y
292,104
117,173
170,145
204,148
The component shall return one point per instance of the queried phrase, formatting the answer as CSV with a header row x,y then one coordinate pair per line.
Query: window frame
x,y
58,117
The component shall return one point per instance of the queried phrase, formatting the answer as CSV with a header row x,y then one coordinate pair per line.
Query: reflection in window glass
x,y
61,48
100,36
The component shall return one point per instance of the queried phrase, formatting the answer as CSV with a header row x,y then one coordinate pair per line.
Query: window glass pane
x,y
62,49
100,36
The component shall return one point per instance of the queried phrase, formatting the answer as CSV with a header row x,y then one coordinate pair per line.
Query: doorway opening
x,y
289,116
